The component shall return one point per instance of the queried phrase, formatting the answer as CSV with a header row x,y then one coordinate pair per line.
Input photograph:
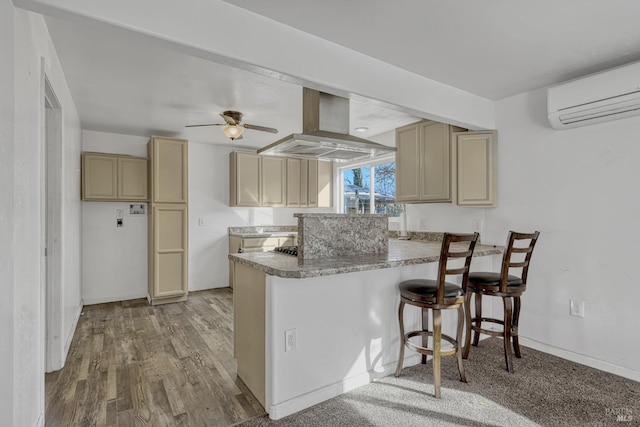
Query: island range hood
x,y
325,133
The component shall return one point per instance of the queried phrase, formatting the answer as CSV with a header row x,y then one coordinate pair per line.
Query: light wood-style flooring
x,y
132,364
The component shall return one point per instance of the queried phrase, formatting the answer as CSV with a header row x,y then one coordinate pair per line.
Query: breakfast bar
x,y
309,329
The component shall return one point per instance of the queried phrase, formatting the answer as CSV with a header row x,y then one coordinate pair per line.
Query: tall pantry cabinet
x,y
168,220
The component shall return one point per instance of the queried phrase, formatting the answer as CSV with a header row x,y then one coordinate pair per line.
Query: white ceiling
x,y
492,48
123,83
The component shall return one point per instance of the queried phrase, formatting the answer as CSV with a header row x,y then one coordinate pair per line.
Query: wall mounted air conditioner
x,y
609,95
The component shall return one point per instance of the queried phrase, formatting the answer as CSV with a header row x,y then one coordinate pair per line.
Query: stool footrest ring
x,y
429,351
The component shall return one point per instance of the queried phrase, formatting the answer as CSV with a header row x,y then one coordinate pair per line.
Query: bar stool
x,y
502,285
437,295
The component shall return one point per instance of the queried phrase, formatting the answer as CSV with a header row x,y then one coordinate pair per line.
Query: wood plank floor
x,y
131,364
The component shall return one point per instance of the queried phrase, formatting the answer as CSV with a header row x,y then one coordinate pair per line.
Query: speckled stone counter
x,y
401,252
322,235
264,231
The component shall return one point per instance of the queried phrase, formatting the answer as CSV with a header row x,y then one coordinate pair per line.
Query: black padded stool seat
x,y
501,284
438,295
492,279
418,289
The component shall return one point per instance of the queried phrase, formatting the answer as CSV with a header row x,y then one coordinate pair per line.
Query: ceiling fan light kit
x,y
232,131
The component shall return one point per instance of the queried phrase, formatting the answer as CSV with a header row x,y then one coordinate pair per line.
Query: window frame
x,y
387,158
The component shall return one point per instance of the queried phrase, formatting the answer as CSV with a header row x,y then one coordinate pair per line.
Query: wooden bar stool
x,y
502,285
436,295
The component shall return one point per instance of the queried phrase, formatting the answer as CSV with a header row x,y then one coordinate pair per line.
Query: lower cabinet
x,y
255,244
168,253
249,332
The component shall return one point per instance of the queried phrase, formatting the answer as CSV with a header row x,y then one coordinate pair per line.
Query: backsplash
x,y
331,235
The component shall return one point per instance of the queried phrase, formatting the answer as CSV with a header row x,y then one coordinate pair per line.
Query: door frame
x,y
51,225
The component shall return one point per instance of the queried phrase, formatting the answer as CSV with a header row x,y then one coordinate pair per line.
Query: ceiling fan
x,y
233,128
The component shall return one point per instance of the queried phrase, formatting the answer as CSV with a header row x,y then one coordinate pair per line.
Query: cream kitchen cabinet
x,y
474,162
168,221
272,181
256,244
294,184
302,182
244,179
423,162
279,181
107,177
169,177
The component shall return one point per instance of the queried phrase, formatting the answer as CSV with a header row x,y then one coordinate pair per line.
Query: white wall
x,y
114,259
22,346
7,192
578,187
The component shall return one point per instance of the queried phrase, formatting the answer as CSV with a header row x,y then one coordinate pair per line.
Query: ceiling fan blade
x,y
261,128
230,120
210,124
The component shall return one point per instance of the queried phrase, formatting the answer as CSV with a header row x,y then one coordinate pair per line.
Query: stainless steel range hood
x,y
325,133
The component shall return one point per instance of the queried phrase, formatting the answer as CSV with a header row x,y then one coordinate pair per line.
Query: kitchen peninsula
x,y
311,327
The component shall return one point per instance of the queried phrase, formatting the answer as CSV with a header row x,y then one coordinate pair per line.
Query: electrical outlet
x,y
200,221
576,308
424,223
290,340
477,225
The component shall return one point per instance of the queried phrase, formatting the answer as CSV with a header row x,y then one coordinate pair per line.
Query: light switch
x,y
200,221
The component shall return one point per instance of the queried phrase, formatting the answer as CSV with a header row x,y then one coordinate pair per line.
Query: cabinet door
x,y
475,163
293,182
304,183
132,178
435,176
272,181
99,177
325,184
244,179
169,252
169,157
408,163
312,183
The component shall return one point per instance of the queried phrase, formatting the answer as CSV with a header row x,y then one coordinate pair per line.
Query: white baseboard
x,y
320,395
71,331
581,359
114,298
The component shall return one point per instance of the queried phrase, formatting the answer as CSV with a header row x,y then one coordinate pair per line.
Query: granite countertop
x,y
401,252
266,234
264,231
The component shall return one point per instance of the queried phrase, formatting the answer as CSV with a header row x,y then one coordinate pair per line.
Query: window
x,y
369,188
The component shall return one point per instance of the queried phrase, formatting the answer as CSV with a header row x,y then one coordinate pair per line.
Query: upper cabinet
x,y
474,160
279,181
437,162
272,181
423,162
244,179
108,177
169,159
294,183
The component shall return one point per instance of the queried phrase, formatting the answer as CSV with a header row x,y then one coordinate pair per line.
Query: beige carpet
x,y
543,391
